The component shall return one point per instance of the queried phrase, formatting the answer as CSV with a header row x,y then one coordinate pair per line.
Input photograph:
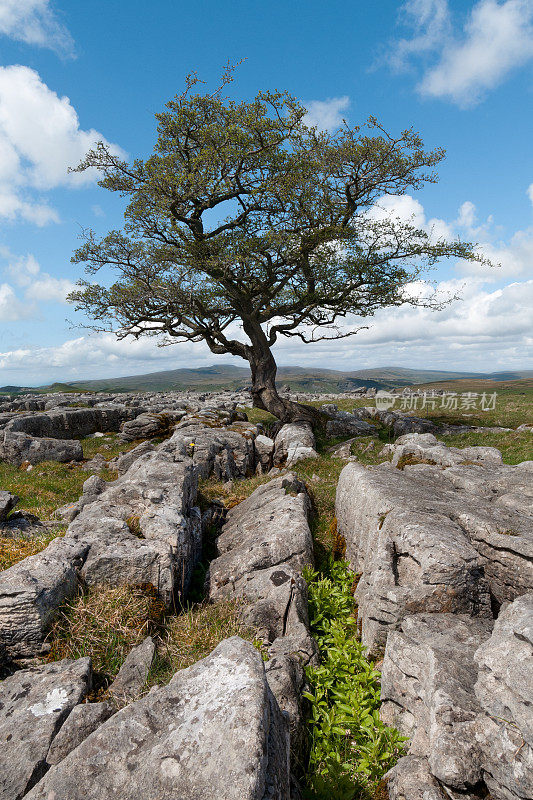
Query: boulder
x,y
424,447
268,528
32,591
342,423
426,538
214,731
124,462
82,720
504,690
427,692
16,448
133,673
411,556
294,442
220,451
264,448
411,779
73,423
149,425
34,703
8,502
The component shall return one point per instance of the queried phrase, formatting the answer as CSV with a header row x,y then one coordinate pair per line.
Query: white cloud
x,y
497,37
40,137
38,287
326,114
530,192
11,308
34,22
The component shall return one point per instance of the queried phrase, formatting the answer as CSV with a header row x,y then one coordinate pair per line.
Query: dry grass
x,y
105,624
13,550
194,634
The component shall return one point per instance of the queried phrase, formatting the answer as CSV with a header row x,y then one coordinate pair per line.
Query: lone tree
x,y
248,220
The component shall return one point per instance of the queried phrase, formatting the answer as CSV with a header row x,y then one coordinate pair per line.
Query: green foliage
x,y
351,749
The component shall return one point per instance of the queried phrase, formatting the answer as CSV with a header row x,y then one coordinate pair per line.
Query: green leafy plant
x,y
351,749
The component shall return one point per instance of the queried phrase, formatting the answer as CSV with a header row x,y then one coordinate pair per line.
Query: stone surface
x,y
264,448
504,689
33,705
31,592
431,538
8,502
268,528
144,527
294,442
426,447
214,731
342,423
427,692
149,425
82,721
225,452
73,423
411,779
132,675
124,462
15,448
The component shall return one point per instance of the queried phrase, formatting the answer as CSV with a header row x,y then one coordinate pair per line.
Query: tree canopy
x,y
247,224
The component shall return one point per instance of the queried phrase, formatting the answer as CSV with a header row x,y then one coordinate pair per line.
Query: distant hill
x,y
310,379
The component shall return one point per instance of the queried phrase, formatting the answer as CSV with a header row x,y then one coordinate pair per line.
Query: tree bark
x,y
264,392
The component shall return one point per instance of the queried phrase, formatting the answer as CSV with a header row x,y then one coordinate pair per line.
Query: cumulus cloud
x,y
327,114
24,273
40,137
530,192
496,38
34,22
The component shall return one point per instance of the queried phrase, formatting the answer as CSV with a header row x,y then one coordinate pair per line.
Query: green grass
x,y
14,549
515,446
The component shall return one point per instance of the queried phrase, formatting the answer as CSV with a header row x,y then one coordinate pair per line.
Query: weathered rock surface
x,y
342,423
263,547
143,528
268,528
214,731
426,448
34,703
132,675
427,692
428,538
31,592
149,425
17,447
294,442
8,502
82,721
74,423
264,448
504,690
124,462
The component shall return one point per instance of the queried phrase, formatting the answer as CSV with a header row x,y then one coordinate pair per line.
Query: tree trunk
x,y
264,392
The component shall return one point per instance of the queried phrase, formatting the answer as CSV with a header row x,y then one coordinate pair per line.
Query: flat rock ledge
x,y
264,545
463,695
434,537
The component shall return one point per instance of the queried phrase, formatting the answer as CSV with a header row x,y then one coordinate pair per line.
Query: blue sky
x,y
459,72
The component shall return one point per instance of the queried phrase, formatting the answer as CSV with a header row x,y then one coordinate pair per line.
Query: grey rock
x,y
433,538
425,446
8,502
32,591
268,528
149,425
82,721
214,731
15,448
427,692
411,779
33,705
411,555
225,452
264,447
132,675
342,423
504,689
125,461
74,423
294,442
